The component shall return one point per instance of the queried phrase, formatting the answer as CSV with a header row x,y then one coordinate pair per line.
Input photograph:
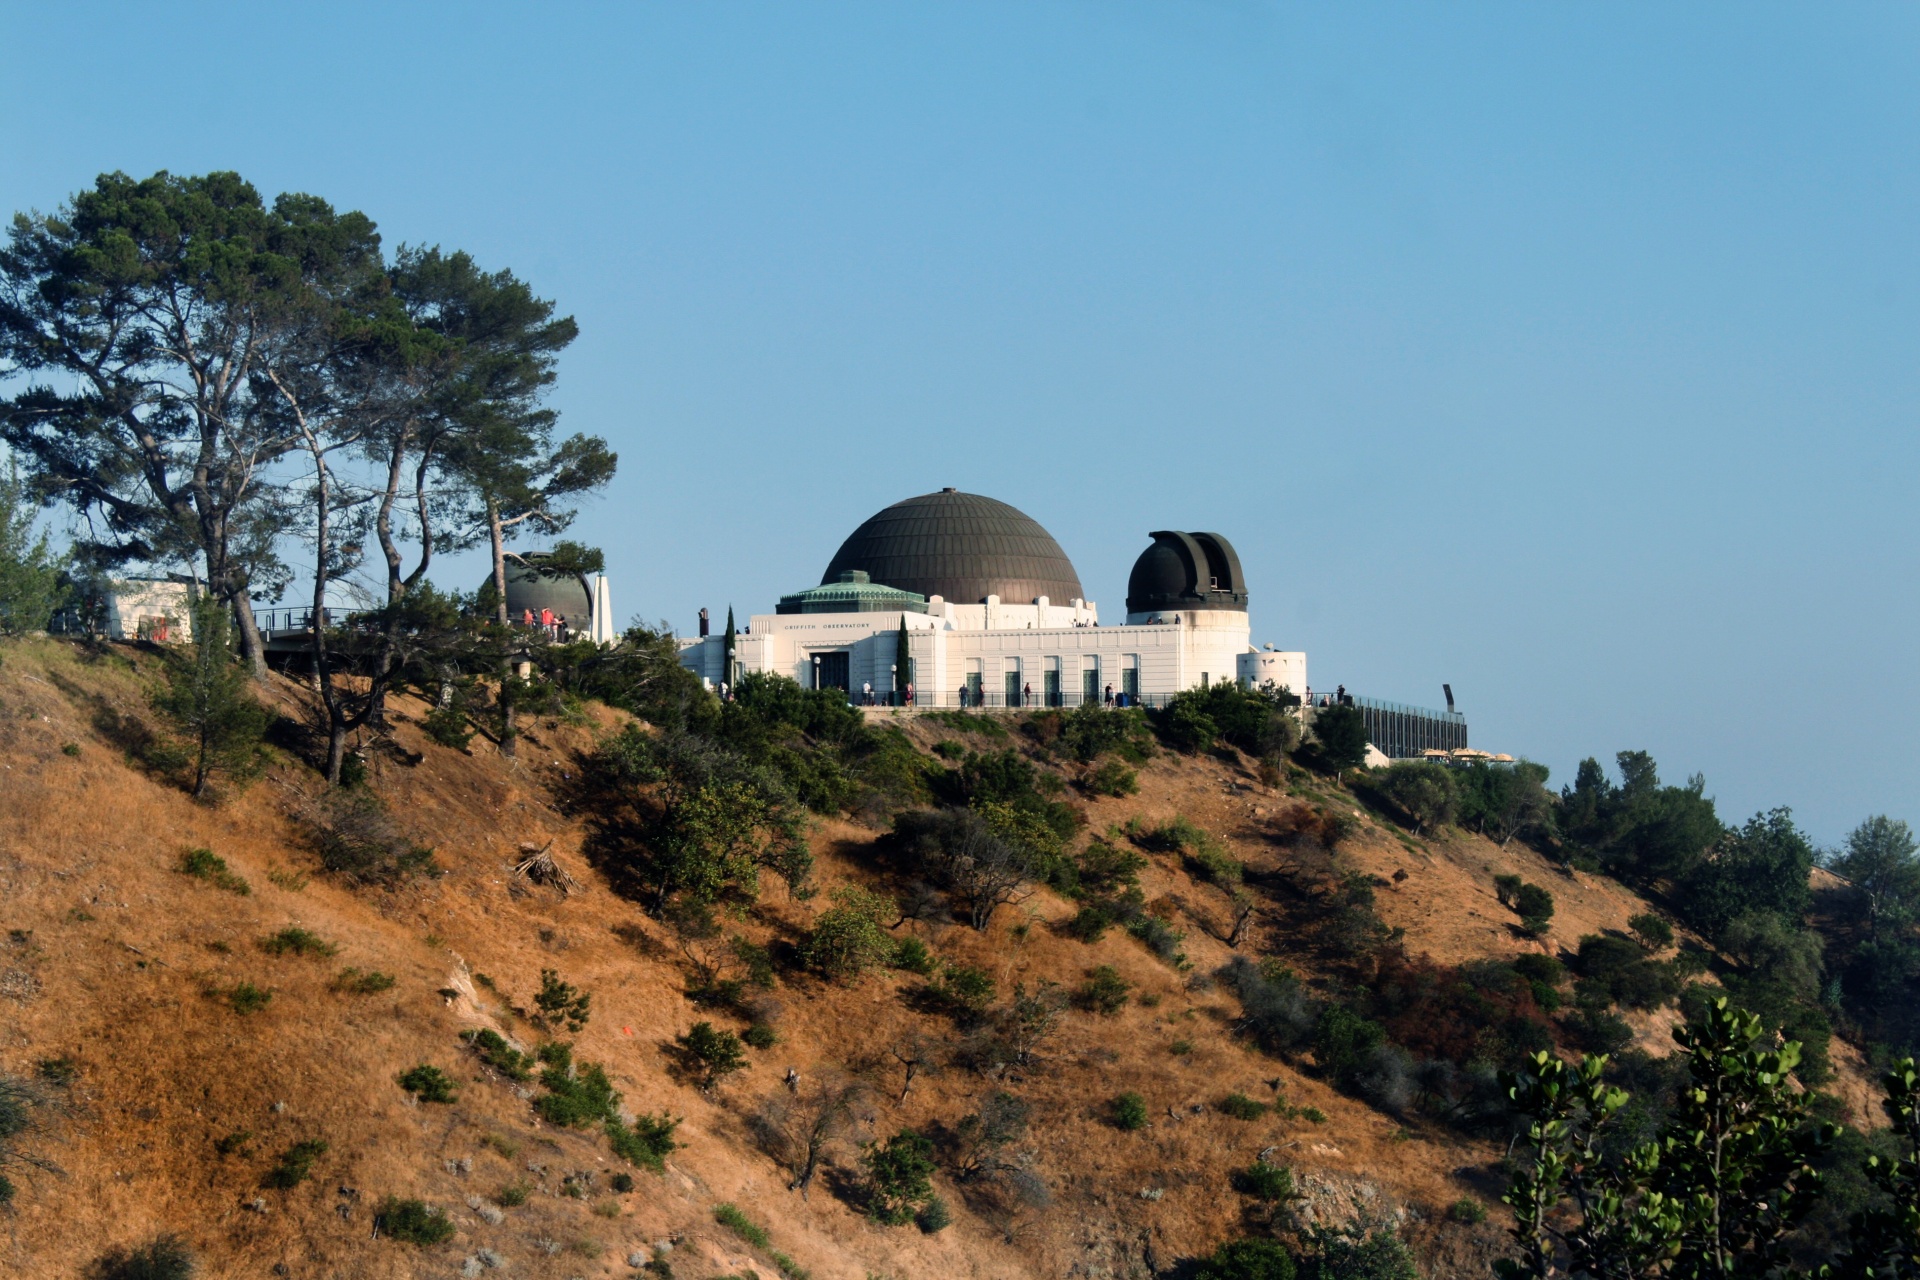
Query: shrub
x,y
1467,1210
711,1054
851,937
205,864
964,989
1267,1183
1617,971
1348,1255
646,1143
1653,933
245,998
912,955
760,1035
293,940
560,1002
934,1216
429,1084
1247,1260
1344,1043
163,1259
1160,938
1105,991
1276,1012
1241,1107
741,1225
513,1195
1130,1112
577,1097
492,1048
1112,778
296,1163
621,1183
899,1177
1535,908
1424,792
360,842
354,982
412,1222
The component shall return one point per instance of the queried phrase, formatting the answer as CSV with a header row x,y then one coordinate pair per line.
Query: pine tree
x,y
902,662
727,647
207,699
29,572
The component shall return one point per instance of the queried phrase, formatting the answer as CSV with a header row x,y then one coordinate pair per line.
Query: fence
x,y
1402,732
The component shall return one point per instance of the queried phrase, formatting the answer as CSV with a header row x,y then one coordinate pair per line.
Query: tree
x,y
1761,866
850,937
729,672
1504,801
206,698
1251,1259
1652,932
710,1054
1534,906
1881,861
902,664
1422,790
30,587
1339,738
1884,1241
899,1176
799,1129
133,323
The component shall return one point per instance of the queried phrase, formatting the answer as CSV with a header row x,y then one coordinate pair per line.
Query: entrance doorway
x,y
832,671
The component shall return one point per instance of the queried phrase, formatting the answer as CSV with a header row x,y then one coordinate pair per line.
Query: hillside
x,y
169,1106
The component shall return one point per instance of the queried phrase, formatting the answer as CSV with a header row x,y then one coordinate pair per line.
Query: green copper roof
x,y
853,592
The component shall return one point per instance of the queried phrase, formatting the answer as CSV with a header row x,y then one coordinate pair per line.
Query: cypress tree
x,y
727,646
903,664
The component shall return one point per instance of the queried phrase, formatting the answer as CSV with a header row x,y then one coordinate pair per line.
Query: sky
x,y
1564,354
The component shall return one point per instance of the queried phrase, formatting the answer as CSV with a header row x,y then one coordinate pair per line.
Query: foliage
x,y
1112,778
1640,830
359,841
1250,1259
577,1096
647,1142
934,1216
205,864
1241,1107
296,941
296,1164
851,938
1130,1112
1653,933
979,1142
245,998
899,1176
1534,906
1268,1183
964,989
1761,866
711,1055
1716,1194
800,1127
1505,801
1339,739
1614,970
1260,722
1884,1239
207,699
912,955
1424,792
1351,1254
561,1002
30,573
1882,862
413,1222
1104,991
429,1084
355,982
741,1225
1276,1011
492,1048
165,1258
961,850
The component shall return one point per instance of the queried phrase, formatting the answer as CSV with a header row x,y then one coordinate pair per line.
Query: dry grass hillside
x,y
179,1105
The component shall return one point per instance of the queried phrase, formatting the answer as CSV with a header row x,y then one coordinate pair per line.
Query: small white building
x,y
156,609
994,616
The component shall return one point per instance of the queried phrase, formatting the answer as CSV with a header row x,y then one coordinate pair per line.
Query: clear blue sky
x,y
1564,353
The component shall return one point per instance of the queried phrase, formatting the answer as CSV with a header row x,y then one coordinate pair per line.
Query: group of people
x,y
555,625
971,695
869,698
1338,698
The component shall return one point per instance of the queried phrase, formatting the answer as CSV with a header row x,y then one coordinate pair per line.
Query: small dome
x,y
1186,571
962,547
530,588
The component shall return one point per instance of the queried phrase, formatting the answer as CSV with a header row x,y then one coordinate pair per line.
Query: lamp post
x,y
893,684
816,671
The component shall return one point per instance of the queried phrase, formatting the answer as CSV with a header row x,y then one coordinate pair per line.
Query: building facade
x,y
992,614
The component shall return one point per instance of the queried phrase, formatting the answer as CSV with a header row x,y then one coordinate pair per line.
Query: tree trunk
x,y
252,646
496,534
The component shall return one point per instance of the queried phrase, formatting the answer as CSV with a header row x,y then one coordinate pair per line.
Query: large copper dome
x,y
962,546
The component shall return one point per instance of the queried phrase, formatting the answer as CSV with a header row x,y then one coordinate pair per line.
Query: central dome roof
x,y
962,546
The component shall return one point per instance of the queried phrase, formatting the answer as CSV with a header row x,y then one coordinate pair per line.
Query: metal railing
x,y
277,620
1402,732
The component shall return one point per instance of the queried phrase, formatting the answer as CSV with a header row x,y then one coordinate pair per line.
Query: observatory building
x,y
994,615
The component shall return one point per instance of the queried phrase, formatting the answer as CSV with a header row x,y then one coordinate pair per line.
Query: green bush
x,y
1267,1183
1426,794
205,864
1105,991
1247,1260
1653,933
412,1222
646,1142
711,1054
163,1259
1534,906
912,955
621,1183
964,989
296,1164
577,1097
899,1177
429,1084
1130,1112
934,1216
1350,1255
1241,1107
354,982
1112,778
851,937
245,998
294,940
513,1195
562,1003
492,1048
760,1035
741,1225
1467,1210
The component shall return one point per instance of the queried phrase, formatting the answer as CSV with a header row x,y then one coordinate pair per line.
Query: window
x,y
1130,676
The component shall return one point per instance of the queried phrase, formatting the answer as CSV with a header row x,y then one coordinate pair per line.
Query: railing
x,y
277,620
1402,732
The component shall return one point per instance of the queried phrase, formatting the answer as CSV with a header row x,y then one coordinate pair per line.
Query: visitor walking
x,y
1108,699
